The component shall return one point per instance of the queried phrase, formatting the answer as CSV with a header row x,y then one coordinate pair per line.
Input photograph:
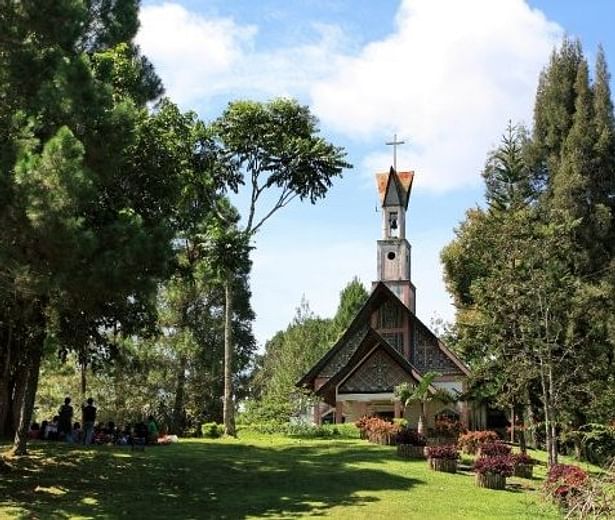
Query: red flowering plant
x,y
448,452
494,449
564,481
447,427
469,442
498,465
522,458
410,436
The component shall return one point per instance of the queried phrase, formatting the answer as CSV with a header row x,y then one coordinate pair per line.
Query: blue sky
x,y
445,75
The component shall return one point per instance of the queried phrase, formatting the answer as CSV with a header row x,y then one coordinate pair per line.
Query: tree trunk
x,y
513,424
422,420
178,408
228,411
5,383
27,403
84,383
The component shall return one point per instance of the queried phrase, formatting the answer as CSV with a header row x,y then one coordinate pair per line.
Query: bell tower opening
x,y
393,249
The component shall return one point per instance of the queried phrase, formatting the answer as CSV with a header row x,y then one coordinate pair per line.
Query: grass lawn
x,y
251,477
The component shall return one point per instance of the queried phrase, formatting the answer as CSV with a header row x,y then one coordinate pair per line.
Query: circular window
x,y
391,255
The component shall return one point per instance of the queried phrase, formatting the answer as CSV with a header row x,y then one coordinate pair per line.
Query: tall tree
x,y
280,157
89,183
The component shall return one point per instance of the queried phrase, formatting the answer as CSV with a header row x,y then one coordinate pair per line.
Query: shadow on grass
x,y
196,480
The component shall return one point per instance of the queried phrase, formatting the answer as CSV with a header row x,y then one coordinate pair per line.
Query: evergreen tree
x,y
352,298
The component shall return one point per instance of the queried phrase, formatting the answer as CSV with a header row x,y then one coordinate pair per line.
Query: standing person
x,y
65,421
89,419
152,430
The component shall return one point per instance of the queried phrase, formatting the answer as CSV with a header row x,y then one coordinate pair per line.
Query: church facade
x,y
386,344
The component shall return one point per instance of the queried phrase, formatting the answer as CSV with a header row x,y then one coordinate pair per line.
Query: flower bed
x,y
443,458
491,472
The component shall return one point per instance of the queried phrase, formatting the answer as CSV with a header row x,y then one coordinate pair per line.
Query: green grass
x,y
253,477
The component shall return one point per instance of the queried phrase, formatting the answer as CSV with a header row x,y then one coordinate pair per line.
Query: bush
x,y
564,481
470,442
443,452
522,458
212,430
494,449
446,427
410,436
498,465
598,442
377,430
310,431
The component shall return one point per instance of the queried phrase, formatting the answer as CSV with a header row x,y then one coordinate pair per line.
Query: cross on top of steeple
x,y
395,143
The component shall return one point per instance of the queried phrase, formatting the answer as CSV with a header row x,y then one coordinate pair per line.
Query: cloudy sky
x,y
444,75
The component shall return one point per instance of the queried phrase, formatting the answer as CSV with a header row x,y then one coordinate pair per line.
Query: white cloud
x,y
190,52
200,57
446,81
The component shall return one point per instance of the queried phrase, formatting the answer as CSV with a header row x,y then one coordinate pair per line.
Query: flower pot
x,y
523,470
409,451
446,465
491,480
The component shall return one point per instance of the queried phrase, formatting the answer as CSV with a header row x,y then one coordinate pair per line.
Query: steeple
x,y
393,249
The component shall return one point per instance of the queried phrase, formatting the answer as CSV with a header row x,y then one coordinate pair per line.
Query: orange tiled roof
x,y
405,183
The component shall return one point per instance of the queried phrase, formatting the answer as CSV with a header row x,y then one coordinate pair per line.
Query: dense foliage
x,y
289,354
532,273
120,253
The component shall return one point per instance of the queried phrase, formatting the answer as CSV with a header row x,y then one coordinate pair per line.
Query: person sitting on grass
x,y
152,430
52,429
35,431
77,433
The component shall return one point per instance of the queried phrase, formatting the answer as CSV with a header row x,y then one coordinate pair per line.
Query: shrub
x,y
446,427
377,430
598,441
470,442
522,458
212,430
494,449
443,452
498,465
310,431
595,498
410,436
564,481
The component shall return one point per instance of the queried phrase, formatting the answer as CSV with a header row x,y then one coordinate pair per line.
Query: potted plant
x,y
443,458
491,472
523,465
410,444
494,449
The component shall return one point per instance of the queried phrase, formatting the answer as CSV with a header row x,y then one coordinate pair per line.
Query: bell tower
x,y
393,249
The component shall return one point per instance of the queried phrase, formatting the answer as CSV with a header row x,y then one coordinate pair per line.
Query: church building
x,y
386,344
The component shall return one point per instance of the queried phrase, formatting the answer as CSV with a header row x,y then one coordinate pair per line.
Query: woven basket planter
x,y
523,470
409,451
445,465
491,480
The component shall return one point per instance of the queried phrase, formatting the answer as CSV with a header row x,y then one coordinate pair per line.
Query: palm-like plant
x,y
423,393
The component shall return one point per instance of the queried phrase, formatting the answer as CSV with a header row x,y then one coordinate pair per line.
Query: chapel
x,y
386,344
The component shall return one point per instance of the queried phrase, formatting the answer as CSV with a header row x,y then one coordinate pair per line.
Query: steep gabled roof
x,y
372,342
394,187
360,329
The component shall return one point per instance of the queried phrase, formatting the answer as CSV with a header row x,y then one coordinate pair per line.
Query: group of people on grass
x,y
62,428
